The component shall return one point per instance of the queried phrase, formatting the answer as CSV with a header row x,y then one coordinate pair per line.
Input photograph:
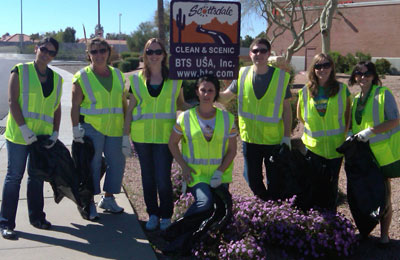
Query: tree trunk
x,y
161,25
326,24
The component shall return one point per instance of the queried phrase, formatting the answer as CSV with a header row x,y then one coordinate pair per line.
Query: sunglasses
x,y
156,52
365,74
49,52
101,51
262,51
325,65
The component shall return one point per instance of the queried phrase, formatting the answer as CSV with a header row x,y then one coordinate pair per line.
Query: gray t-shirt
x,y
260,84
391,110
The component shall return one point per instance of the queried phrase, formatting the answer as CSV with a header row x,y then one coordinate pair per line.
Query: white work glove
x,y
27,134
286,140
126,146
364,135
216,179
78,134
53,139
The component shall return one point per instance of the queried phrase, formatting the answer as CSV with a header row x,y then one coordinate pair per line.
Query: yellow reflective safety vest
x,y
102,109
260,120
384,146
37,110
202,156
323,134
153,117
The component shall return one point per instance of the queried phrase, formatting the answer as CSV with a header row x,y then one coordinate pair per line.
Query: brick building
x,y
360,25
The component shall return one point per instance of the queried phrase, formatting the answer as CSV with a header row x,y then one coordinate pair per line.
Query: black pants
x,y
255,155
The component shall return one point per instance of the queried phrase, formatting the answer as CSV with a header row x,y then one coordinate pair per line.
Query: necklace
x,y
38,71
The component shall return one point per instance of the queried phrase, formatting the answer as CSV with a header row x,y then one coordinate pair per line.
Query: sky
x,y
40,16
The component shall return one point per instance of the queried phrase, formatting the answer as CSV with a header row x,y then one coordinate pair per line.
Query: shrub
x,y
351,62
382,66
135,54
362,56
124,66
133,61
340,62
188,87
256,224
125,54
116,63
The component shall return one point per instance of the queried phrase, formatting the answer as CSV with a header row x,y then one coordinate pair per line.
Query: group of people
x,y
144,113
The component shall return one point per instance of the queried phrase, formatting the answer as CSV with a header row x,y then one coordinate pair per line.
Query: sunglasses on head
x,y
325,65
156,52
94,52
365,74
45,50
262,51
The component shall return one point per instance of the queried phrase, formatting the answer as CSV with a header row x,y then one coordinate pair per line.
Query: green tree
x,y
34,37
116,36
246,41
68,35
143,33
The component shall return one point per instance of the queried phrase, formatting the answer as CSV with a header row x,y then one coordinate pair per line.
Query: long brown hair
x,y
313,83
146,68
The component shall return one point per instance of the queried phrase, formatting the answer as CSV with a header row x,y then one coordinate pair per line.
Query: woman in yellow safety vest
x,y
152,104
97,112
208,139
324,109
375,118
35,109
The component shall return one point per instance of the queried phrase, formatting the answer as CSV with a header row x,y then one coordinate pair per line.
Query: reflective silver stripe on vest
x,y
332,132
140,115
278,97
375,116
25,98
58,97
93,110
118,72
211,161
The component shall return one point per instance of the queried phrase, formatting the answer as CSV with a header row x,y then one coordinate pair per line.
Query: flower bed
x,y
257,224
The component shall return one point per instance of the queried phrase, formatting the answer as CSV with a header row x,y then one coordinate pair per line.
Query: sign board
x,y
204,39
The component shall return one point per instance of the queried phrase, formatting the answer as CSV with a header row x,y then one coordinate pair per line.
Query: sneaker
x,y
109,204
42,224
8,233
165,223
152,224
93,215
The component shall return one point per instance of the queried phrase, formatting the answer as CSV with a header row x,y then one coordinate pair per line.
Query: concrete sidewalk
x,y
71,237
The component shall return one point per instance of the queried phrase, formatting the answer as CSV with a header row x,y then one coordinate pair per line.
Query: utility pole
x,y
119,36
21,39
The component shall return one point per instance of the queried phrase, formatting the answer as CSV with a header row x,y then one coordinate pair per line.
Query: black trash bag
x,y
301,169
323,183
82,155
55,166
185,232
283,176
366,190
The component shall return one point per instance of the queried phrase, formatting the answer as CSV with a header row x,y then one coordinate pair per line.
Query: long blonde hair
x,y
313,83
146,68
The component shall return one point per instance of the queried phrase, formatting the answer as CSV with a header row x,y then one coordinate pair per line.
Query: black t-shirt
x,y
154,90
48,85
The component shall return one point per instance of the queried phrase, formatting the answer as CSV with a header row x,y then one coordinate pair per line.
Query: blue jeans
x,y
155,164
112,149
203,198
254,156
17,157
